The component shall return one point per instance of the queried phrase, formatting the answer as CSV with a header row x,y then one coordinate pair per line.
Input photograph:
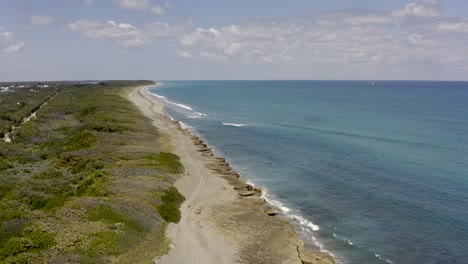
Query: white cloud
x,y
183,54
124,34
340,38
8,42
41,20
88,2
133,4
127,35
427,8
158,10
454,27
159,30
167,4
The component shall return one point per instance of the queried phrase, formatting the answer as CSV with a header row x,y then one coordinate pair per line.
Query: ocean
x,y
371,172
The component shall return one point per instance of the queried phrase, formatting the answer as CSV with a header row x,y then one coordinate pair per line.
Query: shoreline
x,y
225,219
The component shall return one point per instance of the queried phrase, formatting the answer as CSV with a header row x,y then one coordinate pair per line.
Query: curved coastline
x,y
248,202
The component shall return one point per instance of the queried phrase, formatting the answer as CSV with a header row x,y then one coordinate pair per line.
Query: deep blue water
x,y
372,173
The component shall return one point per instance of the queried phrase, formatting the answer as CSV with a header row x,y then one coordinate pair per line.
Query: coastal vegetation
x,y
20,103
88,180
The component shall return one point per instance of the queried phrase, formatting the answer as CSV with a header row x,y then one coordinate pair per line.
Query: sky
x,y
233,39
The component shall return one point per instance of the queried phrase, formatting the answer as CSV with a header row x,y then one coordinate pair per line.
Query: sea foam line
x,y
233,124
183,106
306,225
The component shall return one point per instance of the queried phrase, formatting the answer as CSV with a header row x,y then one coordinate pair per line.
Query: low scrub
x,y
78,182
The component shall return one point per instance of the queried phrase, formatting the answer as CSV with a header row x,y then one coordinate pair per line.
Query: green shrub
x,y
4,190
75,163
31,242
14,246
169,209
104,243
41,240
110,216
55,202
93,185
80,140
4,165
48,203
167,162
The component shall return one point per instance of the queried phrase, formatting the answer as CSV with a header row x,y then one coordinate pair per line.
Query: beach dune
x,y
224,220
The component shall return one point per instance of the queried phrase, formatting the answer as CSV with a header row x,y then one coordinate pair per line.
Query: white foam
x,y
233,124
199,113
185,126
194,114
275,203
379,257
181,105
305,222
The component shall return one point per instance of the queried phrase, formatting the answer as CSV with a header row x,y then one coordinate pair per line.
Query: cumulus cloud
x,y
41,20
8,42
412,38
133,4
127,35
427,8
124,34
158,10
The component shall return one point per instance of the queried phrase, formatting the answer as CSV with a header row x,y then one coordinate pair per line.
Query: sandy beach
x,y
224,220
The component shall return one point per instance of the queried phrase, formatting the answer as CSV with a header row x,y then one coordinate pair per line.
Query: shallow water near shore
x,y
370,172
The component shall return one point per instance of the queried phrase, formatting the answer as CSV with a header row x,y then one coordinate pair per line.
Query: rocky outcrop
x,y
251,219
271,211
222,168
246,193
309,257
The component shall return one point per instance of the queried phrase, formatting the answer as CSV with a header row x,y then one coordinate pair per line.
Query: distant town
x,y
9,87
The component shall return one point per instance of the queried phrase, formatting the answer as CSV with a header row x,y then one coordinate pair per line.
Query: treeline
x,y
87,181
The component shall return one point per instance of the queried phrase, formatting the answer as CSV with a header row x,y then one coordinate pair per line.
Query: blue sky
x,y
181,39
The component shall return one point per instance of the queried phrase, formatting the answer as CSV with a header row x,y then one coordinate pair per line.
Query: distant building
x,y
4,89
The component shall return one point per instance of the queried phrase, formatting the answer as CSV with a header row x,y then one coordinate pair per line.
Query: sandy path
x,y
194,239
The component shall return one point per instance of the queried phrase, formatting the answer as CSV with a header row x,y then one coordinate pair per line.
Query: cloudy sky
x,y
233,39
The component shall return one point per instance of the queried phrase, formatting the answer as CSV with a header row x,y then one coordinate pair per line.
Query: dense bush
x,y
169,209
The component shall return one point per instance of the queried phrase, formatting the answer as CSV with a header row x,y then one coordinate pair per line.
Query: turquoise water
x,y
370,172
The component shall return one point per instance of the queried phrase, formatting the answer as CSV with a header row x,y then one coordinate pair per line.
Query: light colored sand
x,y
194,239
218,224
